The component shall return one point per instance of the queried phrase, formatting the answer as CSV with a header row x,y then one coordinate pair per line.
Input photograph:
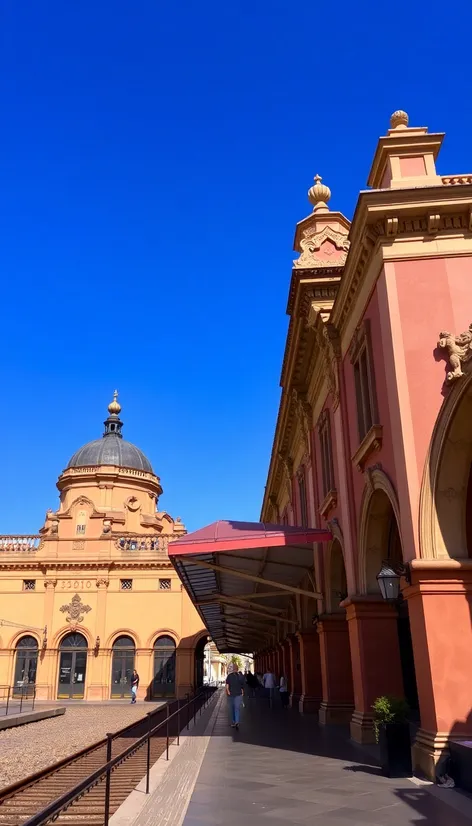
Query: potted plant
x,y
392,733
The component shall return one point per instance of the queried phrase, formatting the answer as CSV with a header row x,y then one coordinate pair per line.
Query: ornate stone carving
x,y
287,465
328,343
50,584
106,526
459,351
337,246
78,545
102,582
304,415
75,610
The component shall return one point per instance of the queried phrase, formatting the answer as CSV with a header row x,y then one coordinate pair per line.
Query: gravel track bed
x,y
32,747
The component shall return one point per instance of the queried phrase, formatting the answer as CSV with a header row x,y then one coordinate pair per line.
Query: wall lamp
x,y
389,579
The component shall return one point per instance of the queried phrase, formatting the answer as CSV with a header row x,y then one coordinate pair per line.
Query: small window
x,y
29,585
81,523
327,472
80,529
361,359
126,584
164,584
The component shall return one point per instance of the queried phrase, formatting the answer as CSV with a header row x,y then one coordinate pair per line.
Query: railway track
x,y
26,798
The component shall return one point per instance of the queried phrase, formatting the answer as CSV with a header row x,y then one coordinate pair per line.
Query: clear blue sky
x,y
155,157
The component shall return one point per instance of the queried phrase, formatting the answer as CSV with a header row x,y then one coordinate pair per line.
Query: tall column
x,y
310,662
287,663
336,672
440,611
295,671
375,658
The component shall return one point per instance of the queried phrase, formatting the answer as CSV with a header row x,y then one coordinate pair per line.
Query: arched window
x,y
122,666
26,662
72,667
163,684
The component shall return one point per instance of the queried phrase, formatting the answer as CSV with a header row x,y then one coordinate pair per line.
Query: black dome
x,y
111,449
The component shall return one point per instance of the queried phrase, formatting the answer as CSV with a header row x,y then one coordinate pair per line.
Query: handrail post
x,y
167,733
178,721
34,696
21,697
148,756
194,708
108,781
187,703
8,701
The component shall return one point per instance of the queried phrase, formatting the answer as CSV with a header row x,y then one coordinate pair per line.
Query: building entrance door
x,y
72,667
122,667
163,684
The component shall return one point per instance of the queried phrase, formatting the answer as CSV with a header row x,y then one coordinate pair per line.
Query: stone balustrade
x,y
19,544
137,544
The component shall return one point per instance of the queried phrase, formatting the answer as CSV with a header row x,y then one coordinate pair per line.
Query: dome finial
x,y
114,408
319,195
399,120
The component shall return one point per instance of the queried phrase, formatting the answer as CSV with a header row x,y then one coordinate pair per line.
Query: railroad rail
x,y
90,785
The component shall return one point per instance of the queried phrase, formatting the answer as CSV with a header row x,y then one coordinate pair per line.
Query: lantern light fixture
x,y
389,579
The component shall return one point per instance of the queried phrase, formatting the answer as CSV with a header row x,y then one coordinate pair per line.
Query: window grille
x,y
126,584
29,585
164,584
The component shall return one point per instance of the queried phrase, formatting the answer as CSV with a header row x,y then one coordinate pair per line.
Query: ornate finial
x,y
399,120
319,195
114,408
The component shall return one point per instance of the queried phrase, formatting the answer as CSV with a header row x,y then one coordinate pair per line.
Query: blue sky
x,y
155,157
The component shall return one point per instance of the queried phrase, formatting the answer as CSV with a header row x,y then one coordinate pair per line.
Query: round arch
x,y
23,633
162,632
123,632
446,488
65,630
379,505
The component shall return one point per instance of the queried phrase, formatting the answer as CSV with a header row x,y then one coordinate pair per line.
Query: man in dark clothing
x,y
134,685
234,692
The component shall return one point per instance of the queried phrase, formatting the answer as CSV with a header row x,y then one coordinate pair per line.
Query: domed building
x,y
93,595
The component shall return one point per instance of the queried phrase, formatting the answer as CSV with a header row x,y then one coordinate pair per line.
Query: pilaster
x,y
310,662
375,658
336,671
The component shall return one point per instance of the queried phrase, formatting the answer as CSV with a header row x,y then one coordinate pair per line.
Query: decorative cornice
x,y
371,442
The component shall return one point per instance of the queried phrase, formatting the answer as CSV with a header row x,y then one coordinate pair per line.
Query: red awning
x,y
241,575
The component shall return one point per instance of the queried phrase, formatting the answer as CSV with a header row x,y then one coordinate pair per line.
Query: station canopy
x,y
241,575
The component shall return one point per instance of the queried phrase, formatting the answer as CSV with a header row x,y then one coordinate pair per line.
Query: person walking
x,y
134,686
283,690
235,693
269,683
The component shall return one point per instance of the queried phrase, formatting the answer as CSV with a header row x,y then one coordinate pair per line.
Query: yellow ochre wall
x,y
125,538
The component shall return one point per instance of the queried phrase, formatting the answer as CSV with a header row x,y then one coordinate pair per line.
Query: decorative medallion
x,y
75,609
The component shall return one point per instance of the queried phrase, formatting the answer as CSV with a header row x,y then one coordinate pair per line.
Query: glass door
x,y
72,667
122,666
163,684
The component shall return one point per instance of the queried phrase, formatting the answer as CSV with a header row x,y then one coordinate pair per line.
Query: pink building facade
x,y
374,441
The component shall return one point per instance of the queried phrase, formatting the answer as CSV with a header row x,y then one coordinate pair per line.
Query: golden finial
x,y
114,408
319,195
399,120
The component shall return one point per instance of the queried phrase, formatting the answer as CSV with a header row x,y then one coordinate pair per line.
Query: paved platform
x,y
281,767
17,718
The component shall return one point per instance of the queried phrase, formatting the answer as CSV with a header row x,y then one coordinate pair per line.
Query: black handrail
x,y
22,693
54,809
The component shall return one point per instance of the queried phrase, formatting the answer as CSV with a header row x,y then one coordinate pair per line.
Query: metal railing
x,y
189,709
17,699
